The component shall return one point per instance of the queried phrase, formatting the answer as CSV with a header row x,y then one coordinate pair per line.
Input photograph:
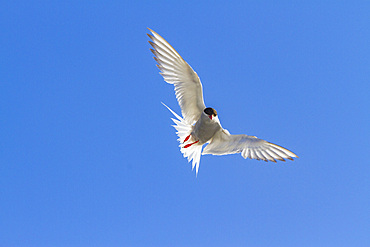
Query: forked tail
x,y
191,152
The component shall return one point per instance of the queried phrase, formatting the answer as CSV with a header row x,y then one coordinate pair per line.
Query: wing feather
x,y
175,70
249,147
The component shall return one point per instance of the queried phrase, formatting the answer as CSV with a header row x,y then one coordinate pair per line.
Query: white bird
x,y
200,124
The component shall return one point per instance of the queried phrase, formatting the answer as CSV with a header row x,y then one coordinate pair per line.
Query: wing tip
x,y
288,153
151,30
149,35
151,42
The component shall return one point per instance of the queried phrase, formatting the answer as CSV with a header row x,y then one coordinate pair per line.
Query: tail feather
x,y
184,129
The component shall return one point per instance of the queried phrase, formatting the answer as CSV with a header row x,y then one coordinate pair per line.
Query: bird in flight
x,y
199,124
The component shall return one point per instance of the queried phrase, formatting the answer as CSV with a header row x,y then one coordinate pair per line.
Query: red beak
x,y
210,117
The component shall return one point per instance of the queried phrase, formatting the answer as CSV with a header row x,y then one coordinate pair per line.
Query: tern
x,y
199,124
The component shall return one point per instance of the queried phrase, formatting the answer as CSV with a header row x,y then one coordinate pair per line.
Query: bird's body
x,y
205,129
200,124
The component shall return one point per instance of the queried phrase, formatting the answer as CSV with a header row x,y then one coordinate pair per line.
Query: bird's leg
x,y
188,145
187,138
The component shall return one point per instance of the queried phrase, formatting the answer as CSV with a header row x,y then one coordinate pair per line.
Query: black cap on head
x,y
210,111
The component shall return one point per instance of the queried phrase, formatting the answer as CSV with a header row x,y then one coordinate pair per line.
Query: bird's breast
x,y
205,129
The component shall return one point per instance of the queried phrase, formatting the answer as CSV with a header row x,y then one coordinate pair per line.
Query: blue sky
x,y
88,156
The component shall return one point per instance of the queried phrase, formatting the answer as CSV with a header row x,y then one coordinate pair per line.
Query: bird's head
x,y
210,112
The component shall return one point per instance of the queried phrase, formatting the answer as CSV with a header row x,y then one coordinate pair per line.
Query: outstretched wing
x,y
177,71
249,147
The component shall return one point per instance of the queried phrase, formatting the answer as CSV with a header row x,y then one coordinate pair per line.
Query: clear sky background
x,y
88,156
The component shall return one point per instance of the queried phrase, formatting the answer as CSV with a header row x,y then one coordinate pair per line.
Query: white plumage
x,y
200,125
176,71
